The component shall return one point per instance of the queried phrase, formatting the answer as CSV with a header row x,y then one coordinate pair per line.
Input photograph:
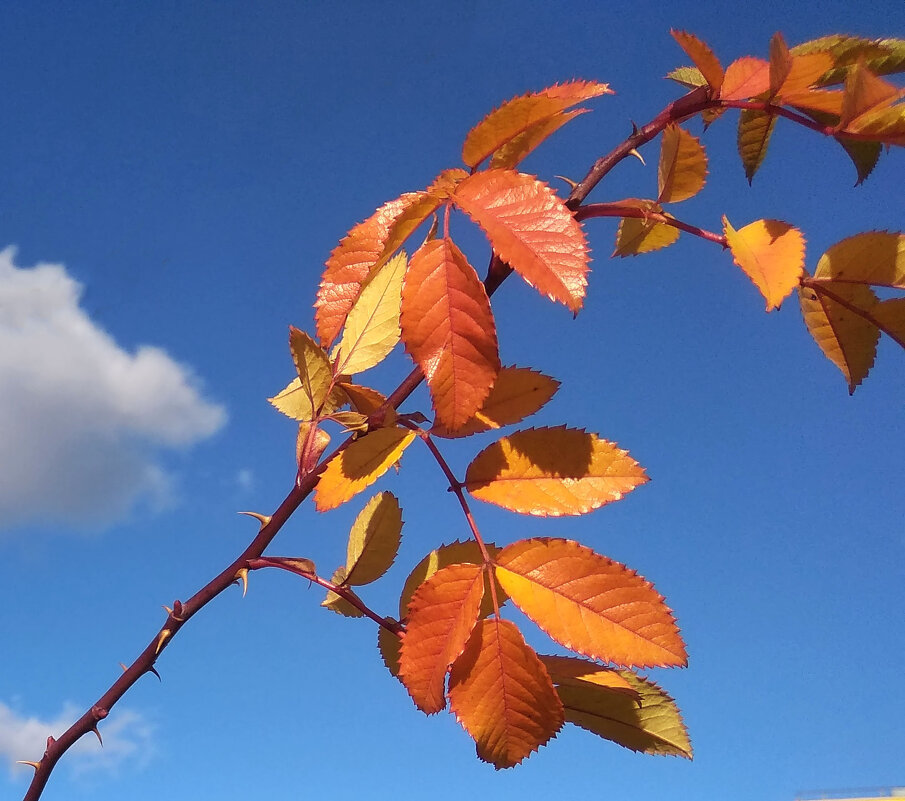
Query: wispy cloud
x,y
79,413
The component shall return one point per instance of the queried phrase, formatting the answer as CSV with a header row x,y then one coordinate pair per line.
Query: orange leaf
x,y
746,77
771,254
530,228
448,329
780,63
805,72
360,465
875,257
886,125
846,337
683,165
702,56
864,92
501,694
570,671
590,604
552,471
441,616
523,118
510,154
828,101
517,393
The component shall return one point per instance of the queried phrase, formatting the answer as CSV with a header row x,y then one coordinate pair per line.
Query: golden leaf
x,y
590,604
440,618
847,338
552,471
754,130
886,125
805,72
780,63
336,603
571,671
889,315
864,93
373,540
522,123
702,56
517,393
389,645
635,236
827,101
372,325
771,254
875,257
683,165
306,395
745,78
448,329
360,465
531,229
501,694
880,56
363,399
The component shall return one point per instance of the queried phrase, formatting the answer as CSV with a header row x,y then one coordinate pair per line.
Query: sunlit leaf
x,y
373,540
682,171
771,254
352,421
875,257
448,329
590,604
780,63
572,671
522,117
372,326
336,603
552,471
826,101
702,56
754,130
442,613
510,154
517,393
363,399
652,724
848,339
864,92
389,645
452,554
880,56
531,229
746,77
805,72
889,315
886,125
360,465
501,694
635,236
691,77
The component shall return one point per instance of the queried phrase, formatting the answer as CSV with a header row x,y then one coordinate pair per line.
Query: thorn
x,y
634,128
98,735
572,184
242,575
123,667
263,519
153,670
634,152
164,635
35,765
168,610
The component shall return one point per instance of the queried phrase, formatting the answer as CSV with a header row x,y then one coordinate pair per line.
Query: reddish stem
x,y
619,210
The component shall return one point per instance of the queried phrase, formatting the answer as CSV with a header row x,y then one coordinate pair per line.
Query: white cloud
x,y
127,736
81,419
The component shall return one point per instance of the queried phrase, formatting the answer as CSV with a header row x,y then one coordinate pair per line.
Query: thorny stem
x,y
621,210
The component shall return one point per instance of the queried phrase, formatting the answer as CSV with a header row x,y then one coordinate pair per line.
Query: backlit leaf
x,y
848,340
363,399
652,724
590,604
682,171
307,395
702,56
886,125
635,236
452,554
440,618
875,257
448,329
571,671
360,465
522,115
746,77
510,154
890,317
389,645
771,254
372,326
336,603
827,101
864,92
373,540
531,229
805,72
501,694
754,130
780,63
880,56
552,471
691,77
517,393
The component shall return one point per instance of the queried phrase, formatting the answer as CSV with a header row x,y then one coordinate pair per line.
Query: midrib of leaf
x,y
622,724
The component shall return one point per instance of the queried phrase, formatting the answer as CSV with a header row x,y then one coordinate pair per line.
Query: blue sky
x,y
175,176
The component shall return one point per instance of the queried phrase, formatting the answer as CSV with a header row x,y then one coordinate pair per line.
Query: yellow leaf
x,y
524,118
864,93
771,254
590,604
746,77
890,317
372,326
448,329
570,671
531,229
880,56
754,130
373,540
303,401
886,125
847,338
452,554
389,645
702,56
652,724
517,393
336,603
360,465
875,257
683,165
440,618
501,694
363,399
635,236
552,471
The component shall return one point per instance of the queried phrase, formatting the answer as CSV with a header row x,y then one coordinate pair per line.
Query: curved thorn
x,y
99,738
634,128
164,635
168,610
572,184
153,670
123,667
634,152
242,575
35,765
262,519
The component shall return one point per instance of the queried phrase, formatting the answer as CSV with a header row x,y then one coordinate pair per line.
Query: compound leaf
x,y
373,540
590,604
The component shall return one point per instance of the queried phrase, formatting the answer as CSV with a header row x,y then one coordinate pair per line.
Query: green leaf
x,y
373,540
754,130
